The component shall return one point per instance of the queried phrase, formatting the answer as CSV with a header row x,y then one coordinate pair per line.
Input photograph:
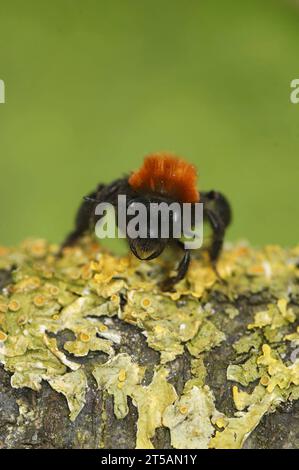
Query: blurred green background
x,y
92,86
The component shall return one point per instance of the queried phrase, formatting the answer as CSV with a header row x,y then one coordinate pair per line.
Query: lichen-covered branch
x,y
93,354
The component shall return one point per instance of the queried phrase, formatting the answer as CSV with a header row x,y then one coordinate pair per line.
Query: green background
x,y
93,86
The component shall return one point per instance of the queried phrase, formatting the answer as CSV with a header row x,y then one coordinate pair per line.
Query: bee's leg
x,y
82,223
218,236
218,212
83,219
217,202
182,269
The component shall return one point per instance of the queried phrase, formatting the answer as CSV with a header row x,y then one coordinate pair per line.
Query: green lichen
x,y
198,373
151,402
244,373
119,376
280,375
249,342
189,419
293,337
79,291
276,316
73,386
238,429
207,337
164,331
232,312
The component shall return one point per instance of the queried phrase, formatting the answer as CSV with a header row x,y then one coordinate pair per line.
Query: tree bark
x,y
254,282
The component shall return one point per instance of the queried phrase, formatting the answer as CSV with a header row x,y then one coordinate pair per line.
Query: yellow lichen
x,y
151,402
183,409
239,428
39,300
3,336
221,423
87,284
265,380
73,386
275,317
14,306
107,377
3,308
208,337
27,284
189,419
84,337
122,375
244,373
294,337
103,328
145,302
164,331
280,375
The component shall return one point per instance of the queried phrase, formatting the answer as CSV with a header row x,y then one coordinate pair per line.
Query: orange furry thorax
x,y
167,175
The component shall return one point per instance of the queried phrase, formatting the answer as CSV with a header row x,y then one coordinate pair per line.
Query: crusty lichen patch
x,y
165,332
207,337
81,290
73,386
189,419
119,376
151,402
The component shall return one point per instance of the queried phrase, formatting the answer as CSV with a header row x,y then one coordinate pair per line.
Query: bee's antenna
x,y
90,199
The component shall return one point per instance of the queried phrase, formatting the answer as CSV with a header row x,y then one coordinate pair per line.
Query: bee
x,y
165,178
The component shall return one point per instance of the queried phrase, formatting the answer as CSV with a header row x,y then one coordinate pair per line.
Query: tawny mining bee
x,y
163,178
